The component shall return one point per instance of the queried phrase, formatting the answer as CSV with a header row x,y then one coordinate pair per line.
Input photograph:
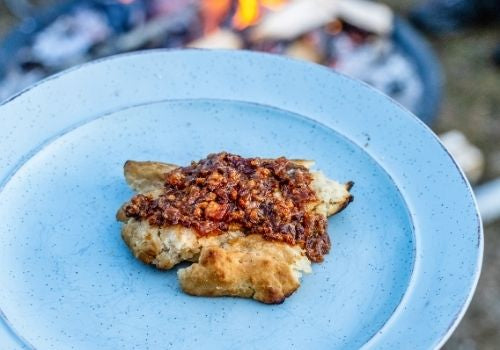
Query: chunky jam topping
x,y
270,197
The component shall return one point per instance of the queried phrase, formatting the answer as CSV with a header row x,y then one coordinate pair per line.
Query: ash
x,y
380,64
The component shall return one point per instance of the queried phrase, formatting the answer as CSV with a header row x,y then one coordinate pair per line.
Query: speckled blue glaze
x,y
406,253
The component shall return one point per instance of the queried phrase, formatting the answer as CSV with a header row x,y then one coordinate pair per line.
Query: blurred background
x,y
438,58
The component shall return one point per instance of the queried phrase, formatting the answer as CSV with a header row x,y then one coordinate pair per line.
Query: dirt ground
x,y
471,105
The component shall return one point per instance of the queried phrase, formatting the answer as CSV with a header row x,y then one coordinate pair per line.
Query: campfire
x,y
350,36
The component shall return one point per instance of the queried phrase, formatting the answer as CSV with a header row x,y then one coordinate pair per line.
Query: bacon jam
x,y
270,197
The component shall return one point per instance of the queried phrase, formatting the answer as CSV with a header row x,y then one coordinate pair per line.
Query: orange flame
x,y
213,12
248,12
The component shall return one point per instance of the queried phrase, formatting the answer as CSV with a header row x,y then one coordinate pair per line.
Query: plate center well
x,y
68,280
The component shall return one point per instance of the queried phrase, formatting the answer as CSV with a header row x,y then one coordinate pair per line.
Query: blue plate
x,y
406,253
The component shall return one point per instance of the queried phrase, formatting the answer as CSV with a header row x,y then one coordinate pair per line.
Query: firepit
x,y
386,54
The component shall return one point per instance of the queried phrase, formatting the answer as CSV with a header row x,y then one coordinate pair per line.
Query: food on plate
x,y
250,226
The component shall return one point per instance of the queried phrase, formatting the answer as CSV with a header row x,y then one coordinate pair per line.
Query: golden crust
x,y
162,247
248,267
332,196
230,264
146,176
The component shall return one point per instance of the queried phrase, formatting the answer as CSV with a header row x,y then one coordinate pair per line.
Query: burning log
x,y
219,39
295,19
302,16
371,16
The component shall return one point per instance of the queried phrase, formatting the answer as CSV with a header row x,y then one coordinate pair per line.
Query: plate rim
x,y
480,246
